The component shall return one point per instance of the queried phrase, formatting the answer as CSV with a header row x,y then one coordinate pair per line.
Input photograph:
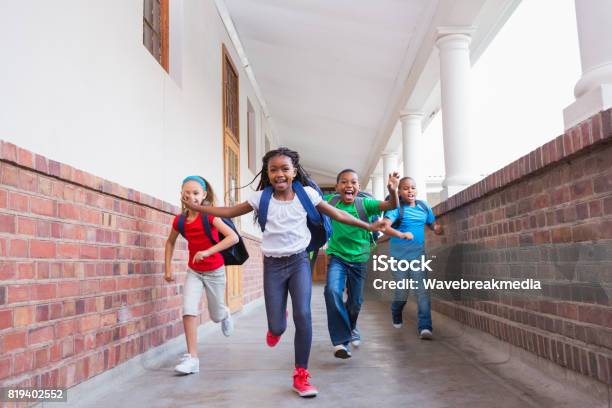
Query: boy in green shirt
x,y
349,251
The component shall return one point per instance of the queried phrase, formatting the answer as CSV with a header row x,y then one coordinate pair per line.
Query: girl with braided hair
x,y
285,239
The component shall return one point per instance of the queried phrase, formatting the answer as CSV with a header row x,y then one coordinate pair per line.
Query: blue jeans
x,y
290,274
341,316
422,296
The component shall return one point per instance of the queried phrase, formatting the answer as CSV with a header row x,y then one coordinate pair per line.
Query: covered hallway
x,y
392,368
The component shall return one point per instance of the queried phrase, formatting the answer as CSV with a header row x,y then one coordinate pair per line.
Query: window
x,y
230,97
251,137
155,34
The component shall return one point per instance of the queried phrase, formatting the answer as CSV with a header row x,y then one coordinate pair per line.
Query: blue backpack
x,y
237,254
319,224
398,221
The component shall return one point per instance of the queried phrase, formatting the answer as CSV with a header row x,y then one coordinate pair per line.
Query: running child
x,y
285,239
349,251
407,232
206,266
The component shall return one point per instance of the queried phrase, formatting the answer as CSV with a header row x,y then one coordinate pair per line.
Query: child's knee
x,y
332,293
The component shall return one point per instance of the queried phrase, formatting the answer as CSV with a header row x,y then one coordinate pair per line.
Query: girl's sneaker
x,y
188,365
227,325
355,338
272,340
342,351
397,320
426,334
301,384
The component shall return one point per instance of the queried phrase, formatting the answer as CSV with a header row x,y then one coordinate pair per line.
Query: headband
x,y
198,179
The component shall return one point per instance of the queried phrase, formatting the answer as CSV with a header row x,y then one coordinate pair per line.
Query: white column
x,y
378,186
593,91
459,153
413,150
389,164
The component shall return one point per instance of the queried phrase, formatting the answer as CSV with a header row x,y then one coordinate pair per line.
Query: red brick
x,y
42,249
55,353
9,152
28,181
24,316
14,341
69,211
18,293
26,226
43,229
40,163
6,319
67,250
55,311
10,175
42,313
5,368
41,335
603,183
581,189
44,291
66,328
19,248
25,270
8,270
89,252
23,362
73,231
43,206
88,323
67,289
3,199
41,357
25,158
7,223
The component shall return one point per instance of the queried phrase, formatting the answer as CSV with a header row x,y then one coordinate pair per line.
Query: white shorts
x,y
214,283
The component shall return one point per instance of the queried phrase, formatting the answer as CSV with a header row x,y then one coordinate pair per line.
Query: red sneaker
x,y
272,340
301,384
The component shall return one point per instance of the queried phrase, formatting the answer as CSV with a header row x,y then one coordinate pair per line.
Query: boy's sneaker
x,y
272,340
342,351
355,338
188,365
301,384
227,325
397,321
426,334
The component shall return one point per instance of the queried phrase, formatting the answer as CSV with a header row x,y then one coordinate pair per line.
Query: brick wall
x,y
546,216
81,269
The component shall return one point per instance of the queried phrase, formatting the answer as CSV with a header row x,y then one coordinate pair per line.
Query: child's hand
x,y
438,230
393,182
199,256
407,236
377,226
168,277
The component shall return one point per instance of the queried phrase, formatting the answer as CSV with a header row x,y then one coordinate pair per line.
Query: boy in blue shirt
x,y
407,232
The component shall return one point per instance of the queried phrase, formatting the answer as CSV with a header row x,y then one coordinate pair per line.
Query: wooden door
x,y
231,168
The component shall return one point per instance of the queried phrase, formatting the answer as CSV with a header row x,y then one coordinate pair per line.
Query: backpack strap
x,y
181,224
422,205
334,200
264,203
361,211
311,212
207,230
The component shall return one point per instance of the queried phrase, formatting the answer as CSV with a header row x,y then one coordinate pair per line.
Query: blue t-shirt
x,y
413,220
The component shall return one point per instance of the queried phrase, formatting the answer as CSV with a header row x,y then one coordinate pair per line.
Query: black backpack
x,y
237,254
361,211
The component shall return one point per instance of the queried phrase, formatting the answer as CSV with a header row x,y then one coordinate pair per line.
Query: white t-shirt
x,y
286,230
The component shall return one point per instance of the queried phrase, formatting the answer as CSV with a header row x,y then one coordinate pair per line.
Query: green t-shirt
x,y
349,242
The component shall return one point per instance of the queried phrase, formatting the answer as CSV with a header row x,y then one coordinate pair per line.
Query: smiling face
x,y
281,172
408,191
347,186
192,191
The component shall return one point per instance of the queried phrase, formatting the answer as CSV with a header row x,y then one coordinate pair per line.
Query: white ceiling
x,y
327,70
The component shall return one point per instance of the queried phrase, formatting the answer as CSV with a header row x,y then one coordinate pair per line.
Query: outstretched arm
x,y
436,227
393,201
346,218
223,212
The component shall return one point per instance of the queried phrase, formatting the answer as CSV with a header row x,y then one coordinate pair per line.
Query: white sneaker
x,y
398,325
426,334
341,351
227,325
355,338
188,365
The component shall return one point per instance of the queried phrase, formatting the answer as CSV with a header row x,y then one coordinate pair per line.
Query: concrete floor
x,y
392,368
